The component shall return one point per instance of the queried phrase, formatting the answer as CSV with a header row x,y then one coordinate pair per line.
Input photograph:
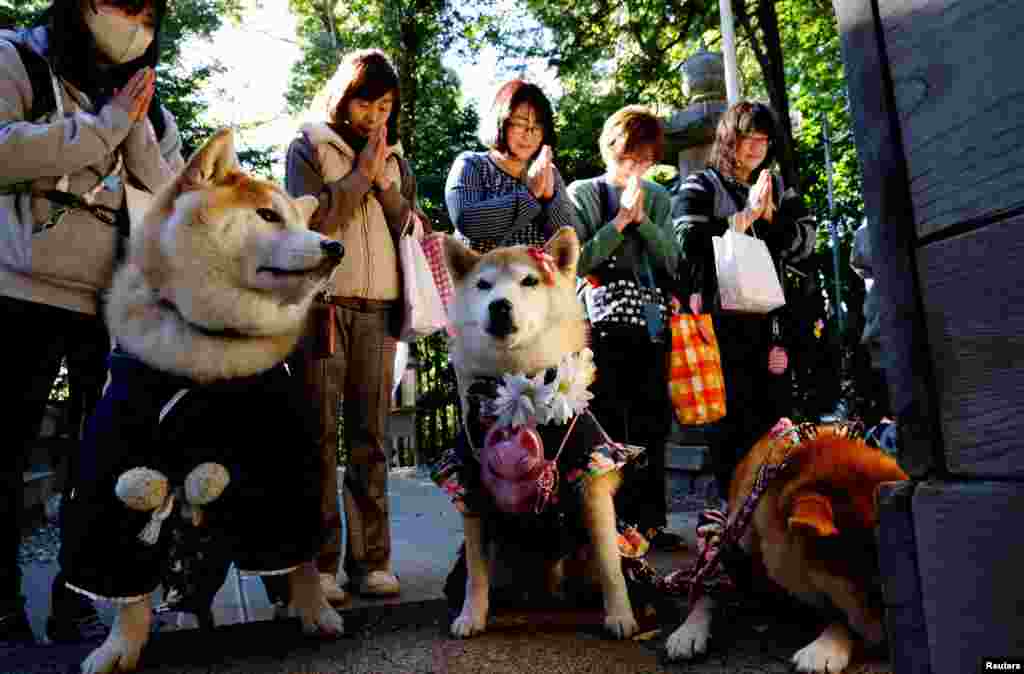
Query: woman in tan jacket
x,y
351,160
79,125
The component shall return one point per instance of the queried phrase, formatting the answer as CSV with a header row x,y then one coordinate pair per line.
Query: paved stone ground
x,y
413,640
409,635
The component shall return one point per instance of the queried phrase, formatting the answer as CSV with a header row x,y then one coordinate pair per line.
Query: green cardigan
x,y
601,239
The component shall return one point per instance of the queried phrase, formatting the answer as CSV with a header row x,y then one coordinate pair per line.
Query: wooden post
x,y
732,81
935,94
890,215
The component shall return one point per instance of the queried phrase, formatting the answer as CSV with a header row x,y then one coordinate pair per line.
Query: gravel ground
x,y
40,545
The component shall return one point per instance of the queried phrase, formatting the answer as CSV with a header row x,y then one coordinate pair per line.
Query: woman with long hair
x,y
81,134
738,191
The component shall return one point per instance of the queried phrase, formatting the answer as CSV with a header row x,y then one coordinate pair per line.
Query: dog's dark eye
x,y
530,281
269,215
484,284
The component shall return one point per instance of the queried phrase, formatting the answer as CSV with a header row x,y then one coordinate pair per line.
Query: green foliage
x,y
23,13
181,90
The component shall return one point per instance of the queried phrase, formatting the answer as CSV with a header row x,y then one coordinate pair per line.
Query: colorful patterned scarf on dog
x,y
718,538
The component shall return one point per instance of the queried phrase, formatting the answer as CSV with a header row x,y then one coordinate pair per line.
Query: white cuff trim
x,y
277,572
113,600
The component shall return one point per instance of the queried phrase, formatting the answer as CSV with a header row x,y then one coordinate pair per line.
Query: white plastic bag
x,y
424,312
747,280
401,360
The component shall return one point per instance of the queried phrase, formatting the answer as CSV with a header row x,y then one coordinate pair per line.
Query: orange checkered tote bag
x,y
695,371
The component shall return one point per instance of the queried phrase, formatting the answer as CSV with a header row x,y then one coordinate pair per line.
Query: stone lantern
x,y
690,132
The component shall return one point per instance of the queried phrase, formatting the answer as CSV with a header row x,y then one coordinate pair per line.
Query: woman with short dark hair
x,y
630,262
738,191
349,158
512,193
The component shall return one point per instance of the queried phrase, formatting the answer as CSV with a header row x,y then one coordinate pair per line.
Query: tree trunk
x,y
775,77
768,49
407,60
330,25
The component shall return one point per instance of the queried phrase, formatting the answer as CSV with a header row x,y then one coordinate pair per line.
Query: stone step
x,y
691,458
689,471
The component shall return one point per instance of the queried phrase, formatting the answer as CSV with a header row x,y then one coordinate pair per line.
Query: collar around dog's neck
x,y
227,333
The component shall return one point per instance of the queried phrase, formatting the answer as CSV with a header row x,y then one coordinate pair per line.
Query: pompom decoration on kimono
x,y
142,489
206,483
203,485
146,489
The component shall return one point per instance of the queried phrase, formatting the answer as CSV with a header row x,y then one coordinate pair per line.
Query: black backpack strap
x,y
606,202
39,77
156,116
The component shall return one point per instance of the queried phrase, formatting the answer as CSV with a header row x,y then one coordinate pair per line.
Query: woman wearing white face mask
x,y
78,125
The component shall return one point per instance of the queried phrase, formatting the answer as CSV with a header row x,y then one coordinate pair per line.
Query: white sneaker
x,y
332,592
378,584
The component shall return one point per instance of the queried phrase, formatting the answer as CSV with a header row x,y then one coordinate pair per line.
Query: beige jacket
x,y
367,221
67,264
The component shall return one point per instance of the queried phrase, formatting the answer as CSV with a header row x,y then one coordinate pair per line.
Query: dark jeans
x,y
631,402
37,338
754,397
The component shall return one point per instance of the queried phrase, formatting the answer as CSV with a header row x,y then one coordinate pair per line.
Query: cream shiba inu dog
x,y
216,288
220,252
515,311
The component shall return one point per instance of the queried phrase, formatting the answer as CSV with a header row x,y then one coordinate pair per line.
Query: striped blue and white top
x,y
491,208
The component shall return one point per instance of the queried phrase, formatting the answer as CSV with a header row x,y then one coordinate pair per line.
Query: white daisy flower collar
x,y
523,400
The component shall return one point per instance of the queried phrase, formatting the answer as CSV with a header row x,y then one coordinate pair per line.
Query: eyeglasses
x,y
525,127
638,160
757,140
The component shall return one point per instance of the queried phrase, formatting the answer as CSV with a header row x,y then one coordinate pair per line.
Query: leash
x,y
547,481
716,533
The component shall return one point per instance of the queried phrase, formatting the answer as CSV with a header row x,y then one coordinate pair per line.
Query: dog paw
x,y
621,626
689,641
329,623
829,653
321,620
472,621
113,655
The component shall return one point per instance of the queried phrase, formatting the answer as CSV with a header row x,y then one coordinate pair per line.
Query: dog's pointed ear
x,y
211,163
811,512
461,259
564,247
306,205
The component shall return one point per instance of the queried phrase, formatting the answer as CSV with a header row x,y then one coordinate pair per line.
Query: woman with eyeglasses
x,y
512,193
629,266
80,122
738,190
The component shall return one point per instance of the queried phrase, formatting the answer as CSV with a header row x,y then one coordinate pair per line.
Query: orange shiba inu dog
x,y
213,296
811,533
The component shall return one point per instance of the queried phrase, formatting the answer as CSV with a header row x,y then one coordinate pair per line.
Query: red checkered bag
x,y
433,248
695,380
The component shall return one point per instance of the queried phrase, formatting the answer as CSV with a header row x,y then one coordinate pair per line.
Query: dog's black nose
x,y
333,248
500,315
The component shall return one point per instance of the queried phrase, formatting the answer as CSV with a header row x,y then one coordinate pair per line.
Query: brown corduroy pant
x,y
358,378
